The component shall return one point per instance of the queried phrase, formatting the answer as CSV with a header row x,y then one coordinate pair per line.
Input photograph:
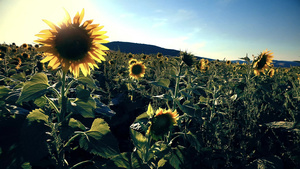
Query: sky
x,y
216,29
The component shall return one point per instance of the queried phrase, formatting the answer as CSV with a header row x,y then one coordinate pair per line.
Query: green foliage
x,y
34,88
228,117
99,140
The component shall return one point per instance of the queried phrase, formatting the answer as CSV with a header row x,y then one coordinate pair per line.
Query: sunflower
x,y
162,123
24,45
228,62
19,63
187,58
73,45
111,62
2,55
132,61
137,70
130,55
159,55
203,65
262,62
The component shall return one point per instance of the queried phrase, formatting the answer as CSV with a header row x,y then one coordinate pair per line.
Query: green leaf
x,y
19,76
99,140
150,111
127,160
139,140
176,158
40,102
85,107
161,82
82,93
34,88
87,80
33,138
4,91
37,115
185,108
26,165
161,163
75,124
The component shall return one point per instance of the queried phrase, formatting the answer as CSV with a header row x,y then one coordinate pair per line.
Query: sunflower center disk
x,y
262,62
161,124
72,43
137,69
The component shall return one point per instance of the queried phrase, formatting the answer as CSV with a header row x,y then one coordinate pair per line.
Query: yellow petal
x,y
67,19
51,25
86,23
102,47
81,16
44,36
53,61
95,56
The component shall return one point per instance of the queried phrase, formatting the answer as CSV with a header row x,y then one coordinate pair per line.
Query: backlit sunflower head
x,y
73,46
263,61
162,123
137,70
187,58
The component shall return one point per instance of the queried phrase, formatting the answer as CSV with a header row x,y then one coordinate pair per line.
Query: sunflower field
x,y
61,109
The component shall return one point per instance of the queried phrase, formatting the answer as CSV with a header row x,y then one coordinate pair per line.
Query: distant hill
x,y
138,48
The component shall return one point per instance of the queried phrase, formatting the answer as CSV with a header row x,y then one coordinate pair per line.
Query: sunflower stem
x,y
177,85
63,109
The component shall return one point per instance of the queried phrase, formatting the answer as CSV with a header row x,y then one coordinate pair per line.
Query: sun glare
x,y
28,15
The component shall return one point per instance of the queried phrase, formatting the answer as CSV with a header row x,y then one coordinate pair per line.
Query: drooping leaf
x,y
34,88
99,140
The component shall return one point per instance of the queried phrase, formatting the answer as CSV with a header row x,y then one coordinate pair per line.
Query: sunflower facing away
x,y
137,70
162,123
262,62
73,45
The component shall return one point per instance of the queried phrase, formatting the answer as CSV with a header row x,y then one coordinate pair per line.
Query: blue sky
x,y
217,29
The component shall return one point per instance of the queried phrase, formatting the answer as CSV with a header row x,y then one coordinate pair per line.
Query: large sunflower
x,y
162,123
262,62
137,70
73,45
